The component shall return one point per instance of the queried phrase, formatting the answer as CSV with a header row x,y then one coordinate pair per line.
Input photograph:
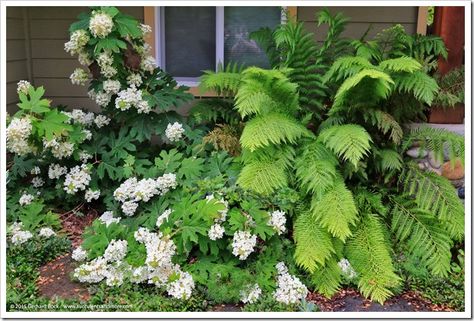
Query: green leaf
x,y
83,22
191,168
169,161
34,103
112,44
127,26
53,125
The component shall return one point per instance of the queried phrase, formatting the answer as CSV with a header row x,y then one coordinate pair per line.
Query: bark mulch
x,y
350,300
55,280
74,225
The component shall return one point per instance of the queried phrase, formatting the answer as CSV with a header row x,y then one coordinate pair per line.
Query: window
x,y
193,39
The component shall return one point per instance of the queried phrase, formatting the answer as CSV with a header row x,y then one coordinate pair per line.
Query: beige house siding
x,y
47,30
361,18
17,59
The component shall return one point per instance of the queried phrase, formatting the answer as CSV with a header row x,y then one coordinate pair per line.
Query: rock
x,y
453,173
458,183
422,165
434,162
433,170
416,153
461,192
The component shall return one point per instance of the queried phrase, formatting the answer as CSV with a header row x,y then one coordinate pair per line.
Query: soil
x,y
227,308
55,281
351,300
74,225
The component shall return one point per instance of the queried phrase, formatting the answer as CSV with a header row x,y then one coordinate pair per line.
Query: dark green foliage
x,y
451,88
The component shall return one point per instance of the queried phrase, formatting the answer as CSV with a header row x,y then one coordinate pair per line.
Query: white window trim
x,y
160,42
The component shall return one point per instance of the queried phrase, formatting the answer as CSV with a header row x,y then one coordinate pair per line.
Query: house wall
x,y
361,18
47,31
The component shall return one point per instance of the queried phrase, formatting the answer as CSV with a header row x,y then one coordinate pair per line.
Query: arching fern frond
x,y
425,237
335,210
369,254
214,110
419,84
350,142
225,82
406,64
313,243
345,67
435,194
327,279
263,177
316,168
389,160
272,128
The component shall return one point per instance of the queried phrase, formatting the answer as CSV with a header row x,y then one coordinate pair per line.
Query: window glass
x,y
239,22
190,40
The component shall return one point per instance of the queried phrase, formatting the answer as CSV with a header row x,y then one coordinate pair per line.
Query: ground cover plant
x,y
294,179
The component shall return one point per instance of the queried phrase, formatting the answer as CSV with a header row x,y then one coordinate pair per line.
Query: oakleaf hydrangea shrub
x,y
171,214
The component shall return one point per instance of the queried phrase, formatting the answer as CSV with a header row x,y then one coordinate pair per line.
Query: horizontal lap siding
x,y
361,18
16,55
51,65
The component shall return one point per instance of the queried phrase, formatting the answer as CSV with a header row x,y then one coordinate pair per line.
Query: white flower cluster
x,y
35,171
105,62
79,77
37,182
243,244
347,268
19,236
132,97
80,117
111,86
100,24
18,132
46,232
134,80
108,218
79,254
101,121
251,294
290,289
91,272
26,199
91,195
148,63
132,191
101,98
277,221
116,250
77,179
23,86
56,171
77,41
59,149
84,156
181,288
146,29
174,132
216,232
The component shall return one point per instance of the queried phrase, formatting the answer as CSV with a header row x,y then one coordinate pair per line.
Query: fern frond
x,y
384,82
351,142
272,128
435,194
273,153
224,137
327,279
225,82
345,67
385,123
419,84
426,238
214,110
313,243
436,140
369,254
316,168
263,177
390,160
264,38
405,64
335,210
